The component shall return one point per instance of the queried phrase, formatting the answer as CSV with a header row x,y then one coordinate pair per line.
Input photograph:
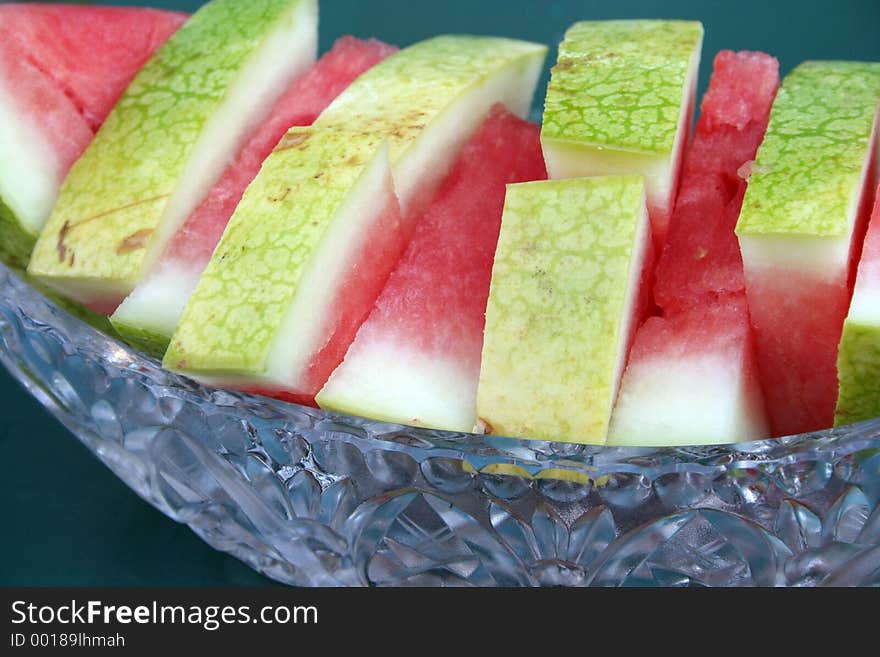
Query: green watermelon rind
x,y
812,159
859,396
150,342
16,243
540,336
644,63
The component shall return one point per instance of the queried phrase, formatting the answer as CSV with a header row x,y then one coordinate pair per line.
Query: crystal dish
x,y
314,498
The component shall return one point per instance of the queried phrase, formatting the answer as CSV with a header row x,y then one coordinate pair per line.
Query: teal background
x,y
66,520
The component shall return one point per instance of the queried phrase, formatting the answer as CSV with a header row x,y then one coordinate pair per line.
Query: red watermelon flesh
x,y
692,374
701,258
154,307
37,96
416,359
62,69
91,53
869,263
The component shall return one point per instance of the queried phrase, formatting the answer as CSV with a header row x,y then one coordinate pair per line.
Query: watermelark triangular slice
x,y
149,315
62,69
320,229
563,306
167,141
621,101
692,374
416,360
858,362
800,229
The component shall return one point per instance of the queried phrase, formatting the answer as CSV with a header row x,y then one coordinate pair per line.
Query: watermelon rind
x,y
16,243
564,295
620,101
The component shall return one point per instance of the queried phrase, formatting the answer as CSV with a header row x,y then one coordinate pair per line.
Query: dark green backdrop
x,y
68,521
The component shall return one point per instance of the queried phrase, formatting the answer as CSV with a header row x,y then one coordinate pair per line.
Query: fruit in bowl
x,y
272,225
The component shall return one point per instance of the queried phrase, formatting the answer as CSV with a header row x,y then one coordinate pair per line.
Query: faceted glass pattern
x,y
313,498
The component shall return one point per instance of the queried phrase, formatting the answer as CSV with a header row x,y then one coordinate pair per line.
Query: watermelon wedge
x,y
150,313
177,126
563,306
858,362
62,69
621,101
692,375
320,229
416,360
800,232
691,379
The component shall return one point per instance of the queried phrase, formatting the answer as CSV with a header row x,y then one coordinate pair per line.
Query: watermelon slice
x,y
150,313
800,230
691,379
858,362
177,126
416,360
62,69
621,101
692,375
320,229
562,307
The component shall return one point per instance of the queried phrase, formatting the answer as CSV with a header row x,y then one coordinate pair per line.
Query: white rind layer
x,y
156,304
30,174
386,379
286,53
865,308
568,160
694,399
633,283
821,258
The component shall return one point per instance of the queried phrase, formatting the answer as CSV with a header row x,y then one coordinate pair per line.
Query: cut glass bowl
x,y
315,498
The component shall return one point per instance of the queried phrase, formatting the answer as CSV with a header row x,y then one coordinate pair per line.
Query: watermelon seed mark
x,y
280,197
135,241
61,246
66,90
